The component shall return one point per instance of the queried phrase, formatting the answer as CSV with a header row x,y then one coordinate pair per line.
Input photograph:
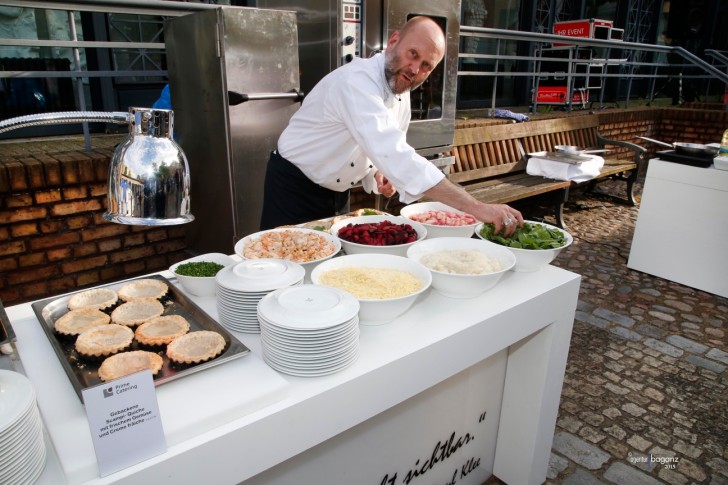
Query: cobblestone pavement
x,y
646,388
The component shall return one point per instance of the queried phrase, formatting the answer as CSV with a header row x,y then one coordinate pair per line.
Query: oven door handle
x,y
235,98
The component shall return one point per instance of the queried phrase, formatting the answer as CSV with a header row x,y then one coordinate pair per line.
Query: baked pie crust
x,y
145,288
134,312
127,363
76,321
99,298
104,340
195,347
162,330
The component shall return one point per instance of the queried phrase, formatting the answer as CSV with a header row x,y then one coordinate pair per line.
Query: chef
x,y
352,128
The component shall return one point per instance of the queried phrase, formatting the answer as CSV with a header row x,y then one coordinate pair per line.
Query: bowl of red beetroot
x,y
384,234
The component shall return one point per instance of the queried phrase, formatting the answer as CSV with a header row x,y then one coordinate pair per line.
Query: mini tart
x,y
146,288
127,363
195,347
104,340
162,330
99,298
76,321
134,312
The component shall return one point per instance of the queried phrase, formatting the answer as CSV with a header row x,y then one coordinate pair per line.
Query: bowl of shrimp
x,y
440,219
307,247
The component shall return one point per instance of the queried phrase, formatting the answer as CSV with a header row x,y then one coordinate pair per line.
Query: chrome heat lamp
x,y
149,181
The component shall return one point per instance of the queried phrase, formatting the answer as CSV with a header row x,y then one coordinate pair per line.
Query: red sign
x,y
579,28
557,95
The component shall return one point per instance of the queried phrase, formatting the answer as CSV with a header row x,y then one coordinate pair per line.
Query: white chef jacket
x,y
350,125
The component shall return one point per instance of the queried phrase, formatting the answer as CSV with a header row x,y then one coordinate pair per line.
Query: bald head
x,y
412,53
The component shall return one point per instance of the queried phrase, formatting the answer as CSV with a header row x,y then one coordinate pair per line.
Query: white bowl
x,y
201,285
307,265
379,311
436,230
457,285
356,248
533,259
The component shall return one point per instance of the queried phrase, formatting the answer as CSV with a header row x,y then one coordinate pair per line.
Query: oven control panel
x,y
351,23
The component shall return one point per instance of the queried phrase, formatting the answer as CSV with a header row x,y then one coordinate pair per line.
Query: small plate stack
x,y
309,330
240,287
22,449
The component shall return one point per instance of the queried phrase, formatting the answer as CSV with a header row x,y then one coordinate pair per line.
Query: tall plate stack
x,y
309,330
22,449
240,287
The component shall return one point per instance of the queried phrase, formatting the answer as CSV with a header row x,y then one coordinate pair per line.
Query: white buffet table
x,y
682,226
445,358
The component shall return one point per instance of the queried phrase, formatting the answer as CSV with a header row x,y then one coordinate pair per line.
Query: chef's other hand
x,y
502,216
384,186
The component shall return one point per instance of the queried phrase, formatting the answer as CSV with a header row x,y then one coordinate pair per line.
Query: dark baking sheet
x,y
83,372
682,158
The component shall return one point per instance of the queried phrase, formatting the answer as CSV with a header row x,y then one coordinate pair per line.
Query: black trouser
x,y
289,197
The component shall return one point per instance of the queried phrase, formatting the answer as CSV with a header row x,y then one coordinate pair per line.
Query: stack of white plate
x,y
241,286
22,449
309,330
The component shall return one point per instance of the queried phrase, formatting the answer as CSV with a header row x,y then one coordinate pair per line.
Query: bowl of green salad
x,y
197,275
534,245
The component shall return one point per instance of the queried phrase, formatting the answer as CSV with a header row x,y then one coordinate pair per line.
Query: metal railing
x,y
684,65
690,67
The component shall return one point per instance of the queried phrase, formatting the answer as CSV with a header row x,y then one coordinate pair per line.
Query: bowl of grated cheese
x,y
386,285
462,267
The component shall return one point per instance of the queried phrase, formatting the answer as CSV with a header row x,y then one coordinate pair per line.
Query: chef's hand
x,y
384,186
502,216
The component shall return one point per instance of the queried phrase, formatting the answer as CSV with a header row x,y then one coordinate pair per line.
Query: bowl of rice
x,y
462,267
534,245
307,247
382,234
386,285
440,219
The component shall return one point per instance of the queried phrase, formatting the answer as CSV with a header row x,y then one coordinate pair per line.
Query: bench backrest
x,y
489,151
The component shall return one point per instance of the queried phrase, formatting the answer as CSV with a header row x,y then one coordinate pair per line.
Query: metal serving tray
x,y
561,157
83,373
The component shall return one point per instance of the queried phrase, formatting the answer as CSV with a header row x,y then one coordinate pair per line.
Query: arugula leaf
x,y
530,236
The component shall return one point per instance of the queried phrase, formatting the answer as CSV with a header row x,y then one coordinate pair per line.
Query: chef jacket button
x,y
352,183
352,164
338,180
371,166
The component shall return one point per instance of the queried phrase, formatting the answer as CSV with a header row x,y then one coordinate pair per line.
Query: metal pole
x,y
79,80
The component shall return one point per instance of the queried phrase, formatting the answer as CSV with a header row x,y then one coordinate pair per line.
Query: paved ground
x,y
646,389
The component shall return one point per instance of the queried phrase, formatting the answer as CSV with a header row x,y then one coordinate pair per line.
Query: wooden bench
x,y
490,160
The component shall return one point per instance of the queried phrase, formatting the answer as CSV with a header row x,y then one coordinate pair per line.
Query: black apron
x,y
289,197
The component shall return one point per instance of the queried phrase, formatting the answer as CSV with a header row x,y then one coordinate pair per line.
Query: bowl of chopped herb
x,y
197,275
534,245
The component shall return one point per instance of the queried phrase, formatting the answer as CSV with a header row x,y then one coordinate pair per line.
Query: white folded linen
x,y
581,172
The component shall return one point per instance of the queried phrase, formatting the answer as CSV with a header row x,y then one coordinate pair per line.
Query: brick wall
x,y
53,238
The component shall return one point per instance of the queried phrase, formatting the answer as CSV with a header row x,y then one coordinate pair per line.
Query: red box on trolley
x,y
586,28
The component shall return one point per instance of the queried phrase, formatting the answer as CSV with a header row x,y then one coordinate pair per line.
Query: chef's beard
x,y
391,72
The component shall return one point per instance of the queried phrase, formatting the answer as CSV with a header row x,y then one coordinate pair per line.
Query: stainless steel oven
x,y
236,78
333,32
